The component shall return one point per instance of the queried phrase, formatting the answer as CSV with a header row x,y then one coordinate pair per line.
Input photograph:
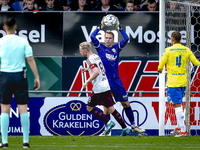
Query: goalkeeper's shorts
x,y
117,89
175,94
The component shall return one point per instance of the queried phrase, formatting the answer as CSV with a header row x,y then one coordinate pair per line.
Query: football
x,y
110,20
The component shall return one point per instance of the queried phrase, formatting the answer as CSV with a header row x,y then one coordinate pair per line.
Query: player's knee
x,y
89,108
125,104
106,113
177,105
111,110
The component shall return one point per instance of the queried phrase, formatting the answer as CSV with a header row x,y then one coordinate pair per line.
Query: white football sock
x,y
180,118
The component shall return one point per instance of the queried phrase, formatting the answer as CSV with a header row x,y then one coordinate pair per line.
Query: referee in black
x,y
13,80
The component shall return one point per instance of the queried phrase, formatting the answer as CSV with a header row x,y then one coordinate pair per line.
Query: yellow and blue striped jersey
x,y
176,58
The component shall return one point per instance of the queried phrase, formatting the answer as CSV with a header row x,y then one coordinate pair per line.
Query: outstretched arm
x,y
125,36
125,39
95,41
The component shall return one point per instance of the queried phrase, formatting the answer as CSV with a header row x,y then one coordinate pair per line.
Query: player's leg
x,y
175,96
6,91
5,111
22,99
93,100
118,118
25,123
180,117
129,114
105,112
108,102
121,95
109,109
97,113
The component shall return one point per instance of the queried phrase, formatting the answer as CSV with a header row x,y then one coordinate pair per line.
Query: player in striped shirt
x,y
176,58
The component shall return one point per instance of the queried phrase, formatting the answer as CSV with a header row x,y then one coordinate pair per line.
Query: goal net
x,y
184,16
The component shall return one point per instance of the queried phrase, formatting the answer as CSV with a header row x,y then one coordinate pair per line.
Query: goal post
x,y
162,75
188,91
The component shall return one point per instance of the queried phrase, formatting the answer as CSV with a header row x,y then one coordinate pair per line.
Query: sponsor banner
x,y
61,34
69,116
143,70
143,33
146,113
34,113
44,33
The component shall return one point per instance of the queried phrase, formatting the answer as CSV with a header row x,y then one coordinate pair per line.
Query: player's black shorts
x,y
104,99
13,83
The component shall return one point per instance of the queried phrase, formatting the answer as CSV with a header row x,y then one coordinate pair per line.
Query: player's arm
x,y
162,62
92,77
123,42
193,59
125,36
32,64
95,41
84,70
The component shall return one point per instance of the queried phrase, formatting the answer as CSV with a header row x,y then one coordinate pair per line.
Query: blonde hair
x,y
30,1
86,45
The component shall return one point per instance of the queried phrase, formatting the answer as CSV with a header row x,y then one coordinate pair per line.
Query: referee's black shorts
x,y
13,83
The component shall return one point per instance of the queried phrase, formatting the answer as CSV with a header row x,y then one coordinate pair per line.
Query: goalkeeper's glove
x,y
102,25
117,24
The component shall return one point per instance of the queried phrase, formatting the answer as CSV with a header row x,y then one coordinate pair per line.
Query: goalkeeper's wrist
x,y
119,27
99,26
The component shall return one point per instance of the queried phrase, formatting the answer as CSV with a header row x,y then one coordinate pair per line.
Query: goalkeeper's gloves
x,y
102,25
117,24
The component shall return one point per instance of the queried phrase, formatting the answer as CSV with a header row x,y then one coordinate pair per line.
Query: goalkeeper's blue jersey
x,y
109,55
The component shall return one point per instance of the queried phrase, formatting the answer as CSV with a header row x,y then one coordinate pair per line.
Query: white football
x,y
110,20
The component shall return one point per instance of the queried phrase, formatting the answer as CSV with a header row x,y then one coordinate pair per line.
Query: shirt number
x,y
178,61
102,68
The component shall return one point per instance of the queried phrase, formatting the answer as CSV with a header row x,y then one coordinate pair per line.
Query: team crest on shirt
x,y
114,50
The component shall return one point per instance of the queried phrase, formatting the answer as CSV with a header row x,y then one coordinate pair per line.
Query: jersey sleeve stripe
x,y
88,62
97,46
119,46
92,66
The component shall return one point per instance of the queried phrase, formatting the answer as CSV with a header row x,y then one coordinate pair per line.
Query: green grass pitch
x,y
106,143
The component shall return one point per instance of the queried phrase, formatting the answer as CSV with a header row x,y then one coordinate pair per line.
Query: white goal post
x,y
162,75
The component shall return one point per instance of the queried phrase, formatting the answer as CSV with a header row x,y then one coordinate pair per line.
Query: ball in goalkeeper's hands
x,y
109,20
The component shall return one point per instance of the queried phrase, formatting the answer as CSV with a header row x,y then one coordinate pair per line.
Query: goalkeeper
x,y
176,58
109,55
